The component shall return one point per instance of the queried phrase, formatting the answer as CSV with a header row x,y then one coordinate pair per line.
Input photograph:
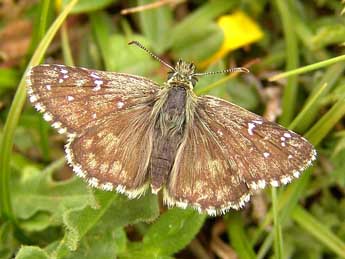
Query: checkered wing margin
x,y
106,117
233,152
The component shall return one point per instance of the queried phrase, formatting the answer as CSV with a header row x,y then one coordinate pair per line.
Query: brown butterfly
x,y
127,133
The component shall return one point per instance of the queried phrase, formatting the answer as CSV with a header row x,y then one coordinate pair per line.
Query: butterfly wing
x,y
233,152
107,120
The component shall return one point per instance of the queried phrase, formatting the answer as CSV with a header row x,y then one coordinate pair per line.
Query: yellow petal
x,y
239,30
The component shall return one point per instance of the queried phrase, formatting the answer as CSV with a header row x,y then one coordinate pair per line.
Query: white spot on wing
x,y
60,80
266,154
49,87
98,84
285,179
47,116
261,184
296,174
94,75
93,182
70,98
251,126
220,133
33,98
274,183
120,104
287,135
258,122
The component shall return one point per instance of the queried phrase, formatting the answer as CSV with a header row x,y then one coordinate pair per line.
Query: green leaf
x,y
156,26
199,18
131,59
36,191
329,34
113,210
168,235
200,44
31,252
101,25
84,6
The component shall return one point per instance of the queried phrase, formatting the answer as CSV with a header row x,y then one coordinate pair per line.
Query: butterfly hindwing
x,y
107,120
236,152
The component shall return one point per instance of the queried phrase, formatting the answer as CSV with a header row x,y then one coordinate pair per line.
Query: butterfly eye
x,y
171,74
194,80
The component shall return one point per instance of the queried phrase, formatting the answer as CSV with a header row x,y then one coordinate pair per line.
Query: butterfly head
x,y
183,74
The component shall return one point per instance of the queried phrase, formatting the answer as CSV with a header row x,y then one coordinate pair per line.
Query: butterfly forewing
x,y
236,151
74,98
99,111
264,152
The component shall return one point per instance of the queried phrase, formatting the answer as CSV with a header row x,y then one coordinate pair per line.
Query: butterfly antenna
x,y
229,70
151,54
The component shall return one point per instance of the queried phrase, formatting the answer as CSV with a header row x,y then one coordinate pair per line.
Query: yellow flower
x,y
239,30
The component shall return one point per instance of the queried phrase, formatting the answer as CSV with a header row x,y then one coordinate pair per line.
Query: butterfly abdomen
x,y
168,134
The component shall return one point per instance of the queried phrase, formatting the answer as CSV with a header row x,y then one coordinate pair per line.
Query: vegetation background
x,y
46,212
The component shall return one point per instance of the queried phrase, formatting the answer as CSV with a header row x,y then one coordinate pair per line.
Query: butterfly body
x,y
127,133
168,134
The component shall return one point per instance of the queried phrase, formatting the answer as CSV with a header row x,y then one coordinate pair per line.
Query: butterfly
x,y
129,134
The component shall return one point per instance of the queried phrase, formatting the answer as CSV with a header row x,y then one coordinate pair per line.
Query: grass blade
x,y
326,123
278,242
308,68
292,61
238,237
319,231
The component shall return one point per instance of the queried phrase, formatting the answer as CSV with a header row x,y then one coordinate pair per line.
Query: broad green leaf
x,y
31,252
156,26
168,235
112,210
102,242
36,191
85,6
